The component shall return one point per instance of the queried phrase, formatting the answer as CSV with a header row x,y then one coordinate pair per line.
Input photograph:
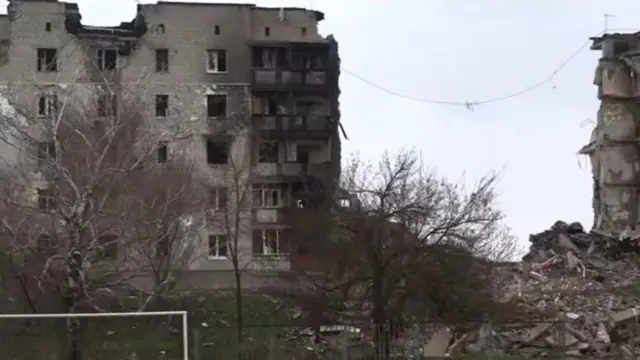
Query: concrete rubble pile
x,y
577,288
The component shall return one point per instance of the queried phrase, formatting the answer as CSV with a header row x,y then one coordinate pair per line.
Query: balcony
x,y
289,80
270,262
279,127
290,169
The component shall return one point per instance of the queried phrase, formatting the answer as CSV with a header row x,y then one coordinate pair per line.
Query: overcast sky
x,y
461,50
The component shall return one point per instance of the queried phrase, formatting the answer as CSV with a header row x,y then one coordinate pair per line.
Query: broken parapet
x,y
614,146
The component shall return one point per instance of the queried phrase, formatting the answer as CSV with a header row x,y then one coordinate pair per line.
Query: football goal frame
x,y
181,313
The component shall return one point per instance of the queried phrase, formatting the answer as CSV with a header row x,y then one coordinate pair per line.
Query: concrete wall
x,y
186,30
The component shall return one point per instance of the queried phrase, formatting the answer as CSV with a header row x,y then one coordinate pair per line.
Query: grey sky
x,y
460,50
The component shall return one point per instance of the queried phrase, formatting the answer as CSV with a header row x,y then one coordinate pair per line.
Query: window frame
x,y
280,240
225,113
213,252
159,67
49,104
100,60
213,56
46,201
219,144
42,64
159,98
162,152
217,201
273,147
266,191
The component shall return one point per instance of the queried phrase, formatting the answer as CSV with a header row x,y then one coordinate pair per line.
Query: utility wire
x,y
471,104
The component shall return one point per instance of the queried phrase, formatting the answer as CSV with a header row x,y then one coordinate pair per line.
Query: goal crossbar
x,y
182,313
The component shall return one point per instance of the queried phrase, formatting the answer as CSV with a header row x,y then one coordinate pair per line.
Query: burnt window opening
x,y
217,152
216,105
47,105
268,152
107,59
216,29
107,105
46,150
216,61
163,246
108,246
162,105
162,60
162,152
267,31
218,198
160,29
302,154
46,200
47,59
47,26
268,57
303,31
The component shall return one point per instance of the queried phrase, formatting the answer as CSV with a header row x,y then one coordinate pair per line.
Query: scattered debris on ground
x,y
581,294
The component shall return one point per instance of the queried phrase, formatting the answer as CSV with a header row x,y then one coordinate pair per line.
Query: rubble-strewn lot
x,y
576,288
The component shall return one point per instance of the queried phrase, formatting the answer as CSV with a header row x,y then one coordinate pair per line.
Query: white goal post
x,y
182,313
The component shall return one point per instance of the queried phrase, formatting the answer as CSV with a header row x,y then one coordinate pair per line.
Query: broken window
x,y
106,59
163,247
268,152
47,59
108,246
218,246
302,153
270,242
217,152
46,150
216,61
216,105
218,198
268,57
267,31
46,200
265,106
47,26
267,195
162,60
162,105
107,105
216,29
47,105
163,152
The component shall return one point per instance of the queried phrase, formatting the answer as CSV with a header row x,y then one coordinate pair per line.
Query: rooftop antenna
x,y
606,22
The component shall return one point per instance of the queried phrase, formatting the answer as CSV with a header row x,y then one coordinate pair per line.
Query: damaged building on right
x,y
614,145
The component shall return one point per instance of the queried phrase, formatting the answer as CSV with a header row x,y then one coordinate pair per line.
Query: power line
x,y
472,104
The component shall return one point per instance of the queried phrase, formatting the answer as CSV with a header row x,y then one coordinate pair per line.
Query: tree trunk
x,y
73,293
381,336
239,303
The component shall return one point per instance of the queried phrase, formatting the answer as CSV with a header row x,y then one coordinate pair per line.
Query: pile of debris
x,y
581,294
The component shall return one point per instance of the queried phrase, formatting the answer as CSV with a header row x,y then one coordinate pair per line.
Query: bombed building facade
x,y
613,148
256,84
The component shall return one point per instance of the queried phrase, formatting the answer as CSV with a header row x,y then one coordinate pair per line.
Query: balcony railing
x,y
289,79
294,126
290,169
278,262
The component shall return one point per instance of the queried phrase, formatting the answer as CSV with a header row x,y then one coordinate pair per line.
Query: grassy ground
x,y
212,320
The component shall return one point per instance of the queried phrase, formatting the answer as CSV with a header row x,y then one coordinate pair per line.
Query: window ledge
x,y
216,72
218,258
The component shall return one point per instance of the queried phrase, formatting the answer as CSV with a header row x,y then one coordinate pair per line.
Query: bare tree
x,y
85,177
408,243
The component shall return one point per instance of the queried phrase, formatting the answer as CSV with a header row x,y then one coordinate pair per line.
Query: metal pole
x,y
185,336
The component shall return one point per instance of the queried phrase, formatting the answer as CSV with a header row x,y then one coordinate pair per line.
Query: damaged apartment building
x,y
614,146
268,69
